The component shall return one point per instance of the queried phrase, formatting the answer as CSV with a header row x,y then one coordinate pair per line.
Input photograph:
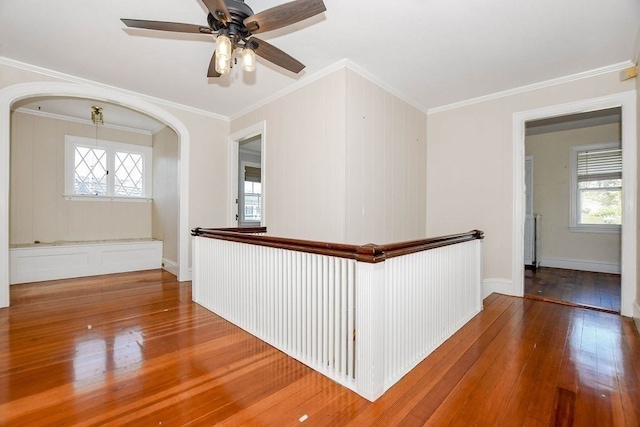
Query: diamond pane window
x,y
129,174
107,170
90,171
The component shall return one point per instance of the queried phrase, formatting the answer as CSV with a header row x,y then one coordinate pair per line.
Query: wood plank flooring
x,y
133,349
600,291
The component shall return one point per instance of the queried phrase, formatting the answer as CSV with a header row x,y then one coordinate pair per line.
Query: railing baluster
x,y
306,298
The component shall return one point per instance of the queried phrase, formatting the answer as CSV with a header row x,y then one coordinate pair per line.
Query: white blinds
x,y
600,164
252,174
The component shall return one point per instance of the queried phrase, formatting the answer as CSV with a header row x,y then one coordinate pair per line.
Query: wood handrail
x,y
370,253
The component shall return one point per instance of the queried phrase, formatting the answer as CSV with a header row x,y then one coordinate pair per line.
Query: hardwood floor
x,y
582,288
133,349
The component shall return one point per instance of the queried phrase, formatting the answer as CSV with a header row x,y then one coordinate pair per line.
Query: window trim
x,y
70,144
574,211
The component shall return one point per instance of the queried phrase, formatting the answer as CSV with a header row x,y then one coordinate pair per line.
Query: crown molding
x,y
535,86
81,121
74,79
343,63
291,88
377,81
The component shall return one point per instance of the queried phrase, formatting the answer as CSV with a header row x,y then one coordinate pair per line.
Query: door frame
x,y
256,129
627,102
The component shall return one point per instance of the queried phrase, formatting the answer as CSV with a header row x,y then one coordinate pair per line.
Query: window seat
x,y
37,262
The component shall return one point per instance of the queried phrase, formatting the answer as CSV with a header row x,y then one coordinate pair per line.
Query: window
x,y
252,201
97,169
596,188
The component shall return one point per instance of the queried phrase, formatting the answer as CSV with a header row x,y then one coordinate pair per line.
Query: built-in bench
x,y
66,259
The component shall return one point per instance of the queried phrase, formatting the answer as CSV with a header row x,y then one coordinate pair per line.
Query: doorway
x,y
250,182
574,209
627,102
247,207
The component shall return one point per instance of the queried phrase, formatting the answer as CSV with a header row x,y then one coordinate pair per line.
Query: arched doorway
x,y
22,91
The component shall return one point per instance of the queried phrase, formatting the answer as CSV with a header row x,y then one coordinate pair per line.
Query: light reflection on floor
x,y
94,357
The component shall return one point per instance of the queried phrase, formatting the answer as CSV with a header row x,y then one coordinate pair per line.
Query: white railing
x,y
362,316
300,303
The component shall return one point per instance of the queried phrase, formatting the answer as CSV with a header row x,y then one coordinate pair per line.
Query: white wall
x,y
38,210
470,164
385,165
345,162
304,157
166,197
551,197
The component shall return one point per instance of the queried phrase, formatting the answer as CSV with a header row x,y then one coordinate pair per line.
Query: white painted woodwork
x,y
310,306
302,304
166,193
582,265
429,295
64,260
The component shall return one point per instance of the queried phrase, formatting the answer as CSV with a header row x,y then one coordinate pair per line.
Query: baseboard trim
x,y
500,286
186,277
170,266
636,315
573,264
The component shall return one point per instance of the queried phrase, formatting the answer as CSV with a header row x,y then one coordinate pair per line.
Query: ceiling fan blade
x,y
218,9
283,15
275,55
166,26
212,67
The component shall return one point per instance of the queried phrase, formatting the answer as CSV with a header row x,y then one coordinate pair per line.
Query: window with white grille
x,y
90,171
97,169
596,187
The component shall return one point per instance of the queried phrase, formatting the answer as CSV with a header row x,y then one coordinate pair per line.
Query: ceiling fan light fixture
x,y
223,46
223,54
235,23
223,65
248,59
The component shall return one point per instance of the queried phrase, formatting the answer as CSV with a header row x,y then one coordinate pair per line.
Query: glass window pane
x,y
600,206
128,177
606,183
252,207
90,175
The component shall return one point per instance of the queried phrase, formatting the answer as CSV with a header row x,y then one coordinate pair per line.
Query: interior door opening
x,y
573,209
250,195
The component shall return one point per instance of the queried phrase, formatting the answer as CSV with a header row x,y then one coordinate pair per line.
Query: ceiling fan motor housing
x,y
236,29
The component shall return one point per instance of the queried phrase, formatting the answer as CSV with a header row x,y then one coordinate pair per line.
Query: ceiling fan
x,y
235,23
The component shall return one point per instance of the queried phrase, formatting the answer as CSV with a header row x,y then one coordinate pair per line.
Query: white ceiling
x,y
432,53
